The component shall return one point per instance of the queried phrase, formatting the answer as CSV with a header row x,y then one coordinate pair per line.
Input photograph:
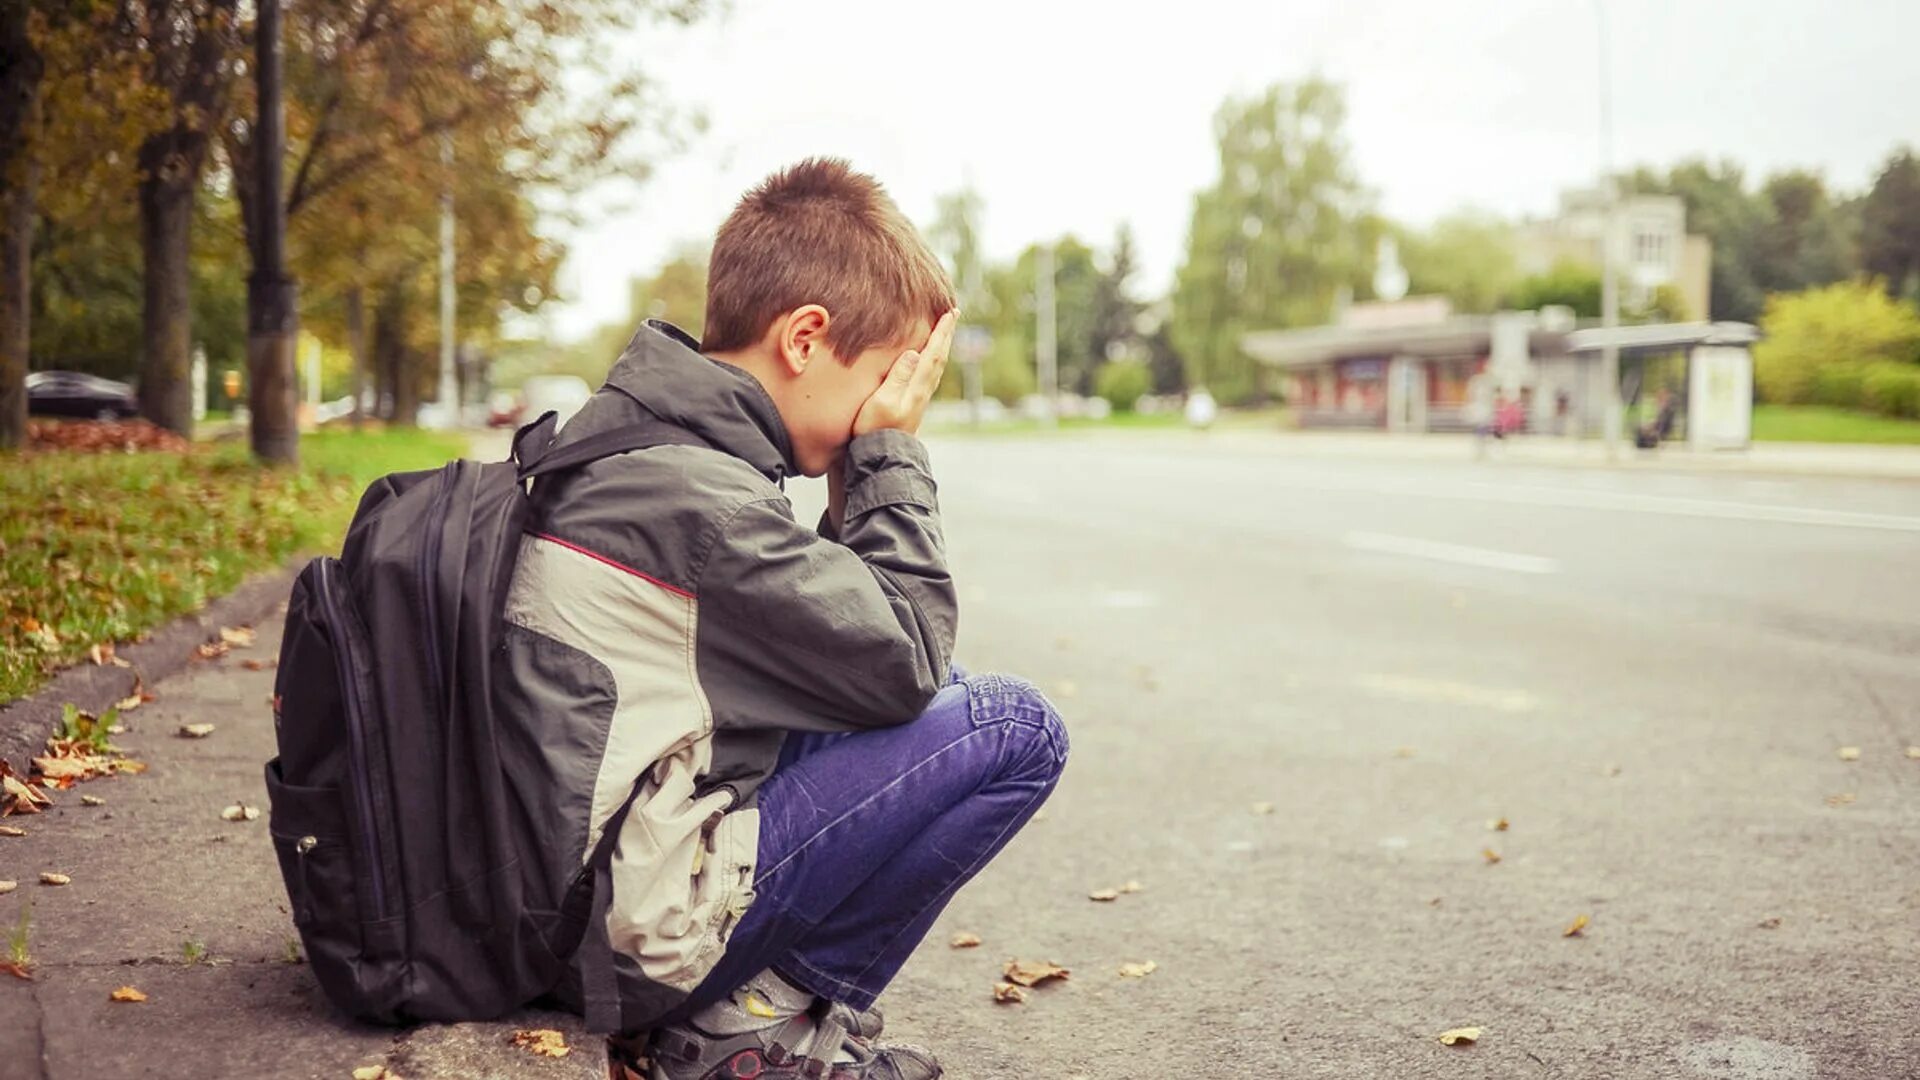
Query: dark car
x,y
75,393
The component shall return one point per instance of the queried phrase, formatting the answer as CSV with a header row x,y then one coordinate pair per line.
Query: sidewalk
x,y
154,868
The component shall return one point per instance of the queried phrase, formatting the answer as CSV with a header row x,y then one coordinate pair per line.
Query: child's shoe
x,y
773,1030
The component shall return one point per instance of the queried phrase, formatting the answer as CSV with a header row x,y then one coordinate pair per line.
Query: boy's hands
x,y
902,398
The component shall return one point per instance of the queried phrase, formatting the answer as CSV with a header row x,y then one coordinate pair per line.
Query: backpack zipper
x,y
425,573
357,740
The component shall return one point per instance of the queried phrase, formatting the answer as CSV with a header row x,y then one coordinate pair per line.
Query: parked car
x,y
563,394
75,393
503,409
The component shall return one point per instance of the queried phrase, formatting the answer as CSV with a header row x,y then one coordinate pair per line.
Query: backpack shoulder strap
x,y
636,436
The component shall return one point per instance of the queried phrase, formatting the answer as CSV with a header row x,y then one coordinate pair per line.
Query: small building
x,y
1650,240
1413,365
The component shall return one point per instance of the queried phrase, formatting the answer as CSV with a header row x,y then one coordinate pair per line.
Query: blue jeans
x,y
865,836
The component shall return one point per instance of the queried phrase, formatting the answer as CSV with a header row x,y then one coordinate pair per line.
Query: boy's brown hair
x,y
819,232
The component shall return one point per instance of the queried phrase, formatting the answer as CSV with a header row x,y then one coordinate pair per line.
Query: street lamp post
x,y
1609,255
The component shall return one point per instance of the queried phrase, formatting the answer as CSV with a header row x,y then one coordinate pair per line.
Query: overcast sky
x,y
1075,117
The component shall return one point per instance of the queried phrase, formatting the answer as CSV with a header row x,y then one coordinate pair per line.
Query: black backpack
x,y
392,818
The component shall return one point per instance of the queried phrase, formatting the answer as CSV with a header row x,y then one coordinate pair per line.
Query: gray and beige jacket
x,y
669,621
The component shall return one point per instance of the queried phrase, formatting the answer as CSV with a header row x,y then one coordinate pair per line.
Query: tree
x,y
1806,237
189,45
1284,229
677,292
1890,226
1115,311
955,237
1466,257
20,71
1567,284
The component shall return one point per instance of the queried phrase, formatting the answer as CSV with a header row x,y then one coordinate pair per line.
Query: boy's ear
x,y
803,335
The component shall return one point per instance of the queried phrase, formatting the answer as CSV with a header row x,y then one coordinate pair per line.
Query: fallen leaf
x,y
1465,1036
371,1072
1771,922
62,768
127,993
1104,895
8,886
1138,971
212,650
1034,972
1498,824
17,796
964,940
1403,751
100,653
129,703
1008,993
240,812
1849,753
1263,808
92,800
195,731
1490,855
238,637
258,665
1610,770
1573,929
1436,901
545,1042
51,878
9,830
1914,752
1843,799
1132,887
17,970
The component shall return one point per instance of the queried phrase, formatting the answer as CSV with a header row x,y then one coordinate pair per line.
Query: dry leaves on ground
x,y
195,731
19,969
1131,887
1139,971
211,650
9,830
1771,922
1498,824
95,436
92,800
374,1072
8,886
1914,752
1008,994
545,1042
102,655
1849,753
252,664
1034,972
1403,751
1490,855
240,812
1263,808
1845,798
238,637
964,940
17,796
127,993
1574,928
1104,895
1465,1036
52,878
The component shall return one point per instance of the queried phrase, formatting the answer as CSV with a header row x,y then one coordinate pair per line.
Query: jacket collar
x,y
664,372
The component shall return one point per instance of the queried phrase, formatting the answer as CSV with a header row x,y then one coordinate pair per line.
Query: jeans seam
x,y
861,805
959,880
842,986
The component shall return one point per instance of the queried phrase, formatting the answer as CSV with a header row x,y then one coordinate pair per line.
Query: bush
x,y
1851,324
1893,389
1123,383
1839,384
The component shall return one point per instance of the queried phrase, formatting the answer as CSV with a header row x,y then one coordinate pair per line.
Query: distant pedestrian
x,y
1660,428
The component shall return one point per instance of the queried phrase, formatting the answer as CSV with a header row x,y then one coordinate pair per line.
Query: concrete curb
x,y
166,650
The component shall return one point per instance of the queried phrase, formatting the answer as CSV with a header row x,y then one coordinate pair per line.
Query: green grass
x,y
103,547
1819,423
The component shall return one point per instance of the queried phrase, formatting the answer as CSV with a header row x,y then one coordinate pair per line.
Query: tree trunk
x,y
166,241
19,174
396,360
357,344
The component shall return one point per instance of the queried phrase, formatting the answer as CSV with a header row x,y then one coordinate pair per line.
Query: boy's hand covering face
x,y
901,401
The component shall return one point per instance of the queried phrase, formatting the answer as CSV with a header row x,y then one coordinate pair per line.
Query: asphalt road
x,y
1648,674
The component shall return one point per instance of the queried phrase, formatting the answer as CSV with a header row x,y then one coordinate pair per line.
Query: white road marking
x,y
1447,692
1453,553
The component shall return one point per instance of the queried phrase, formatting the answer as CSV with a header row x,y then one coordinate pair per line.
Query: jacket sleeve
x,y
799,631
